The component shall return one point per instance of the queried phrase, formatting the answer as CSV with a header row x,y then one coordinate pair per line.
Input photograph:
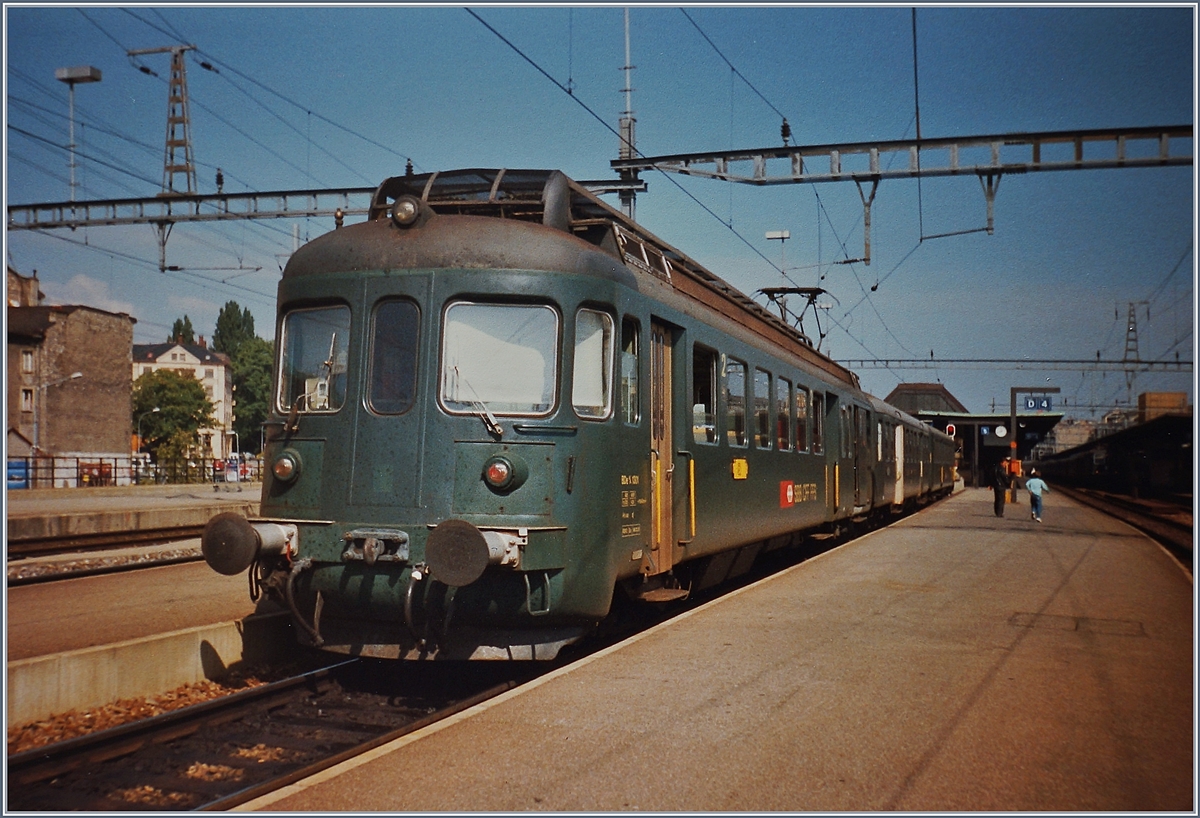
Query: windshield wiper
x,y
484,414
292,425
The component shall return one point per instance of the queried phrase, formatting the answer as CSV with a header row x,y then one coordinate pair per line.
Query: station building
x,y
213,369
981,440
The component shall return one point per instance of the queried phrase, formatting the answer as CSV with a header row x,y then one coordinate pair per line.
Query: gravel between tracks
x,y
65,566
77,723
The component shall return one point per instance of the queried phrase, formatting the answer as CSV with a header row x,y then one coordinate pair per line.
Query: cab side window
x,y
630,409
591,392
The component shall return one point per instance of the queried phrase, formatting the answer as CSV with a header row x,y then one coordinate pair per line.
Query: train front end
x,y
445,396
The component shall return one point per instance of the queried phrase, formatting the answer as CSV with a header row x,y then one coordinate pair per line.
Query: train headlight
x,y
286,467
498,473
405,210
505,472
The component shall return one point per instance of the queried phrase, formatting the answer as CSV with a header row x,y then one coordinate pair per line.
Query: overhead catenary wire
x,y
276,93
614,131
205,281
99,124
672,180
820,204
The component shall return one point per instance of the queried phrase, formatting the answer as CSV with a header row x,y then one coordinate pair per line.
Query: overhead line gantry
x,y
986,157
1076,365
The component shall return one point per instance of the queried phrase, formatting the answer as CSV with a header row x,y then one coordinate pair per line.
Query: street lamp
x,y
143,415
41,405
73,76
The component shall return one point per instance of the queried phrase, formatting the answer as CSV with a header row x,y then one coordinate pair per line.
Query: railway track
x,y
227,751
99,541
216,755
1170,524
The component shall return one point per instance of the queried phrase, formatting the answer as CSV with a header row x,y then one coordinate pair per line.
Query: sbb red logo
x,y
787,494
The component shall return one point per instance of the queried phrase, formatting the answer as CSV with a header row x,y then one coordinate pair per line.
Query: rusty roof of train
x,y
550,197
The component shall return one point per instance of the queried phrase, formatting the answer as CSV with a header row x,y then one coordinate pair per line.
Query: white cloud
x,y
90,292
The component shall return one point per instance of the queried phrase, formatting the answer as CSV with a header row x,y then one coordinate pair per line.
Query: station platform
x,y
37,513
953,661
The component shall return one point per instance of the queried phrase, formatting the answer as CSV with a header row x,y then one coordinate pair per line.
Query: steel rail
x,y
1176,537
98,541
40,763
250,793
83,754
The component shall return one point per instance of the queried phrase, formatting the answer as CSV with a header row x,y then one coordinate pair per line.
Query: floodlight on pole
x,y
72,77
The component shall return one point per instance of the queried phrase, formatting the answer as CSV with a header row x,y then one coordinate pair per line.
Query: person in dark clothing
x,y
1001,483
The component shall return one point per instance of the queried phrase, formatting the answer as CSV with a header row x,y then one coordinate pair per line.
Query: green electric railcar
x,y
498,402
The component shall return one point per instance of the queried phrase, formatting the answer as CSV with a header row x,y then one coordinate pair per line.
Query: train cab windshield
x,y
499,359
313,359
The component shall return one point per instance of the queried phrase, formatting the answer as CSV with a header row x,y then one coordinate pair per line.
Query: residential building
x,y
69,381
213,369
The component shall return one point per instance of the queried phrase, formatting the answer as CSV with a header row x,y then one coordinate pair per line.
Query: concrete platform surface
x,y
954,661
40,513
85,612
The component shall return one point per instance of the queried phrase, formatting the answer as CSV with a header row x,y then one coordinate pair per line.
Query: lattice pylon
x,y
179,139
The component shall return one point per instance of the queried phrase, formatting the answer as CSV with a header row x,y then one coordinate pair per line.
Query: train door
x,y
848,482
662,459
828,431
899,434
860,448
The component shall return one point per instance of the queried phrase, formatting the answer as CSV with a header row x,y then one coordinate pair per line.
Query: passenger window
x,y
313,359
704,395
393,357
783,414
591,392
630,408
762,409
500,358
818,422
802,418
735,402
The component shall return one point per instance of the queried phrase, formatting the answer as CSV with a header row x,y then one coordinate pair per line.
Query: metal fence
x,y
87,472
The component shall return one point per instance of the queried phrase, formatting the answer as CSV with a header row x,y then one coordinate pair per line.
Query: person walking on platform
x,y
1036,485
1000,485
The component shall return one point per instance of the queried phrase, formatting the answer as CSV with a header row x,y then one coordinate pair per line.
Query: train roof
x,y
551,198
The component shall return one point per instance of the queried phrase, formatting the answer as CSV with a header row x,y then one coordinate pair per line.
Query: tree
x,y
182,332
252,389
235,326
183,408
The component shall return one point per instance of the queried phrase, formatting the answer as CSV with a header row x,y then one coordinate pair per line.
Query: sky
x,y
314,97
